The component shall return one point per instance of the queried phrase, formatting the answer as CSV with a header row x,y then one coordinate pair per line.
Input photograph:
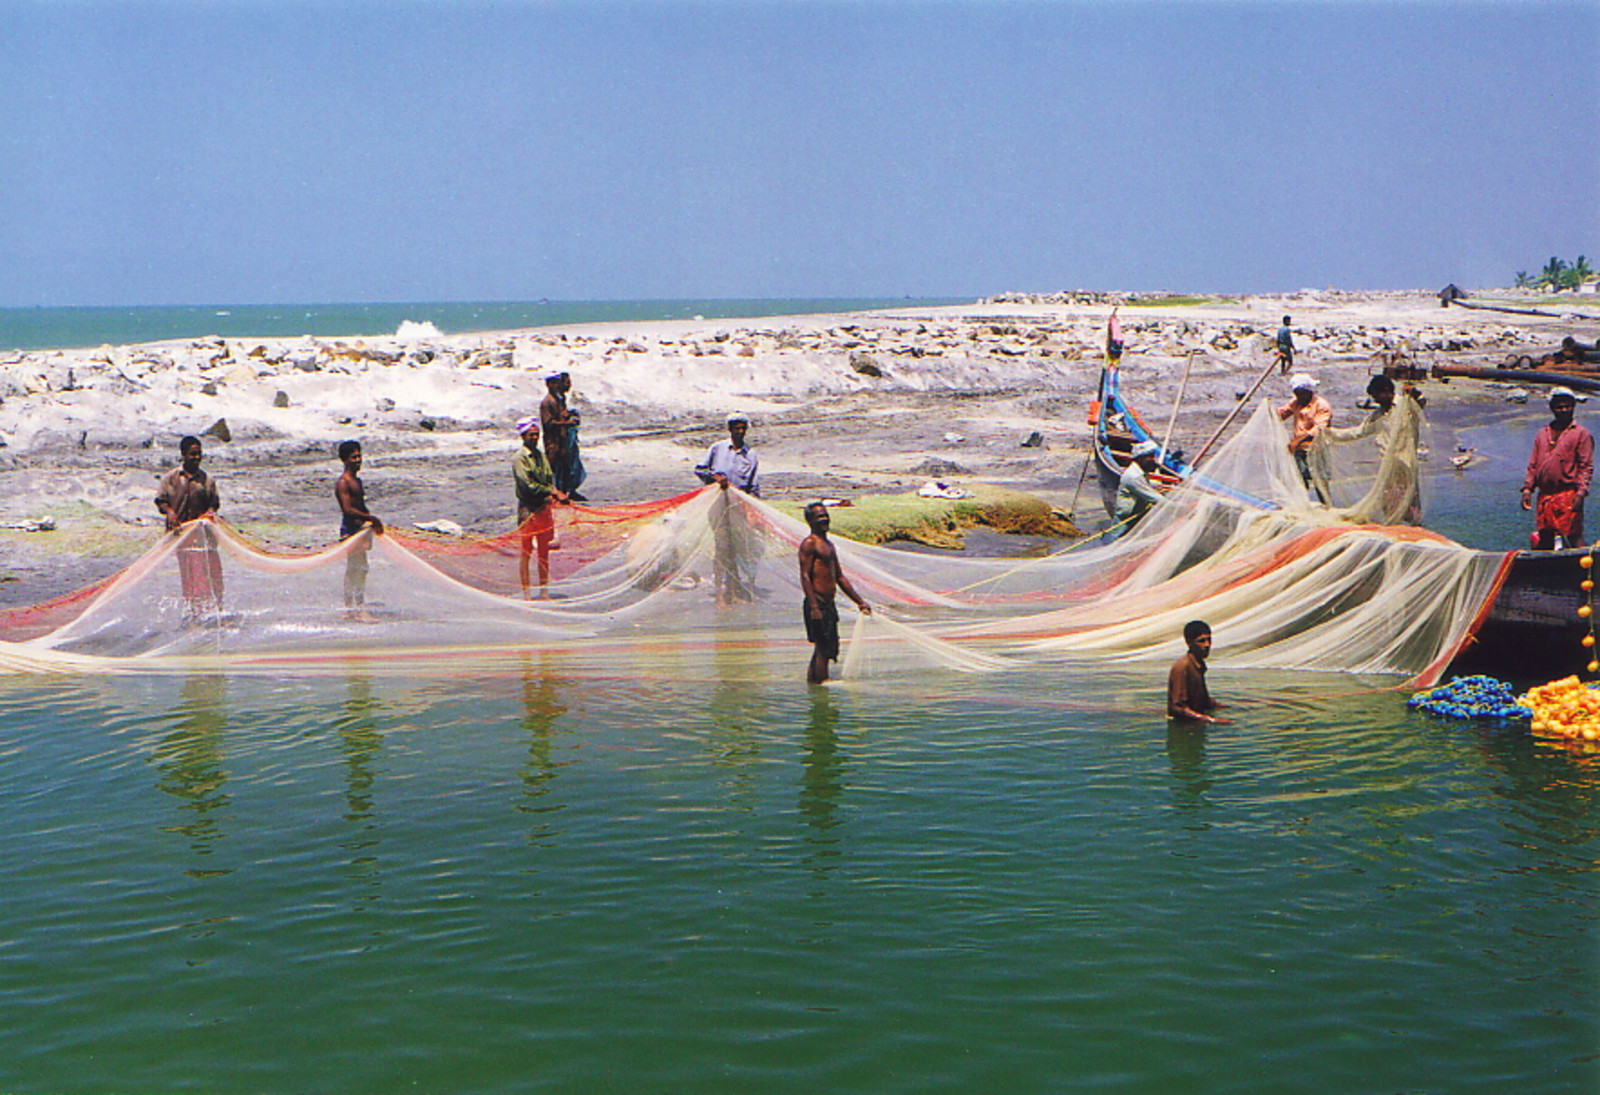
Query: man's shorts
x,y
823,633
539,525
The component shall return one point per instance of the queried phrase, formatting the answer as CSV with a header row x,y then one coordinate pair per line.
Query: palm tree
x,y
1579,272
1523,281
1553,276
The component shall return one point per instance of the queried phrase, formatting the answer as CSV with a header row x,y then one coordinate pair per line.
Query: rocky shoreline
x,y
864,402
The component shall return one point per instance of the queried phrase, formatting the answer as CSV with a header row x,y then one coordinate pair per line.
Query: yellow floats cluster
x,y
1586,610
1566,708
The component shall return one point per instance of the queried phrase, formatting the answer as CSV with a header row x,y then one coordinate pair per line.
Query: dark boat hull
x,y
1531,632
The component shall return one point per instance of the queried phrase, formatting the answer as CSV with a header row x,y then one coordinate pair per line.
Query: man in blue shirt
x,y
1285,349
732,463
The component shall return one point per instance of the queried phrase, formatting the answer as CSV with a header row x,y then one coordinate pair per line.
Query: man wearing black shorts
x,y
820,576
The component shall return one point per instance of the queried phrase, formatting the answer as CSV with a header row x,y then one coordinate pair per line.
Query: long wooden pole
x,y
1226,422
1183,387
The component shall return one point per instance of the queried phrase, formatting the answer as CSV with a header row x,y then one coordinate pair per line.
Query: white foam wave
x,y
412,331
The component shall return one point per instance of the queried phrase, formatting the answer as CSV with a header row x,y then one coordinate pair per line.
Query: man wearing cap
x,y
1135,495
1311,415
1559,470
536,524
732,463
560,425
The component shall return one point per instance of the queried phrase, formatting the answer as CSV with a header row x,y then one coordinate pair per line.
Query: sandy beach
x,y
841,405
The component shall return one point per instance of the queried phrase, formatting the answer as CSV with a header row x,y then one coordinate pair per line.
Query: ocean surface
x,y
63,328
697,876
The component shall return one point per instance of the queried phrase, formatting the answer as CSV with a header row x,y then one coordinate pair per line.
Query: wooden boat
x,y
1117,428
1530,630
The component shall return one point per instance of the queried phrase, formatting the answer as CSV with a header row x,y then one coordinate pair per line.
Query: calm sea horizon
x,y
49,328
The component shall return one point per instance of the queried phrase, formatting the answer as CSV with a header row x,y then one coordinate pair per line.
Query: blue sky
x,y
269,152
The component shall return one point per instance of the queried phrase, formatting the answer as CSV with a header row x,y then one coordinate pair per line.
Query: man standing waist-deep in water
x,y
820,576
1188,698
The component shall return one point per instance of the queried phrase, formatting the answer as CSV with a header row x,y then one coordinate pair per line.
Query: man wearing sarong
x,y
820,576
560,425
536,523
188,494
732,463
1559,472
1310,415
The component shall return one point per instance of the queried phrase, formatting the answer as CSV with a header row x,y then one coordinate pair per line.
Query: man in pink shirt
x,y
1311,414
1559,470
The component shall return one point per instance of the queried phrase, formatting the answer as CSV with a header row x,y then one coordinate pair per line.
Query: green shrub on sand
x,y
939,522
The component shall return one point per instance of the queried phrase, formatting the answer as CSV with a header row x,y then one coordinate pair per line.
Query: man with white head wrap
x,y
1310,414
732,463
1135,495
536,488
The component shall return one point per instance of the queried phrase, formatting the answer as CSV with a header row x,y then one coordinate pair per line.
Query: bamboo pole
x,y
1183,387
1226,422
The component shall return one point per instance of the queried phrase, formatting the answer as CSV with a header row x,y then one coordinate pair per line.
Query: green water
x,y
695,876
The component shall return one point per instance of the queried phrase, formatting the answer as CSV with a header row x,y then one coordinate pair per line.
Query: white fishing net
x,y
1295,586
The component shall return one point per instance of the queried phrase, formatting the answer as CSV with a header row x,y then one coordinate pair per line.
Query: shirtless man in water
x,y
820,576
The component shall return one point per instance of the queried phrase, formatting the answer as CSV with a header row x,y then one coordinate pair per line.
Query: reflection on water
x,y
731,880
542,709
1186,753
189,758
734,741
822,775
360,742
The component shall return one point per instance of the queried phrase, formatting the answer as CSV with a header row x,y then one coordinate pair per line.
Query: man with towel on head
x,y
1310,414
732,463
536,524
1135,495
1560,469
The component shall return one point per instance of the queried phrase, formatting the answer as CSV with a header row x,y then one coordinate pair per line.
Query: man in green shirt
x,y
536,524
